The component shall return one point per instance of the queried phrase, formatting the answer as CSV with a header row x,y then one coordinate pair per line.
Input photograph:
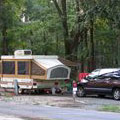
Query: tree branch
x,y
58,8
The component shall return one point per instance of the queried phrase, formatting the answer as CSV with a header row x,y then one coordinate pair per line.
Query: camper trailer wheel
x,y
22,91
36,91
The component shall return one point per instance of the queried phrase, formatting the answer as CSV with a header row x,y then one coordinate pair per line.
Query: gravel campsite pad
x,y
93,103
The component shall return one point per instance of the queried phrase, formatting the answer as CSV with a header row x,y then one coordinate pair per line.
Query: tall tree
x,y
9,17
71,37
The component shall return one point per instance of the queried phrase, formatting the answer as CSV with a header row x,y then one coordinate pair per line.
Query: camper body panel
x,y
32,71
23,83
28,84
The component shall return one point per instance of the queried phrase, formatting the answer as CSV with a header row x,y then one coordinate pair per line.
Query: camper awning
x,y
55,69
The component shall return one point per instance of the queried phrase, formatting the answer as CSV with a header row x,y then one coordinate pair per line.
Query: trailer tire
x,y
22,91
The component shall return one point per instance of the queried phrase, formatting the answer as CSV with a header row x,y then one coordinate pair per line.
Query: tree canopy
x,y
84,31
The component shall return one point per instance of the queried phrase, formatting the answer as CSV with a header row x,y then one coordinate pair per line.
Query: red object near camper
x,y
82,75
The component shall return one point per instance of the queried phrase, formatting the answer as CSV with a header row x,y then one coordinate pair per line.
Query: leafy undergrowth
x,y
111,108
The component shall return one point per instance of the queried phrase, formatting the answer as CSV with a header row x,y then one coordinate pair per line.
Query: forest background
x,y
84,31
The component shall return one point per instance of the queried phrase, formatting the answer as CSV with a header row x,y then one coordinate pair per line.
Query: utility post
x,y
16,87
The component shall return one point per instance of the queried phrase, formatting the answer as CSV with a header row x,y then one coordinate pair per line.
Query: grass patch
x,y
27,118
111,108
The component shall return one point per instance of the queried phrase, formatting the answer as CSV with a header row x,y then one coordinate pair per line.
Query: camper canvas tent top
x,y
29,69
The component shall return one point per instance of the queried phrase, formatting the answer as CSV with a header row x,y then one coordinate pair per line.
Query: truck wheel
x,y
116,94
80,92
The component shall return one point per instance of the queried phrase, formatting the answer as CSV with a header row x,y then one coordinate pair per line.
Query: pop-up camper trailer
x,y
31,71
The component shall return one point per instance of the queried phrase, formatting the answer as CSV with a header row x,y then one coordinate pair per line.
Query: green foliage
x,y
111,108
43,32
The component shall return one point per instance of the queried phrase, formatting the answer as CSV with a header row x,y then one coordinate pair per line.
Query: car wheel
x,y
80,92
116,94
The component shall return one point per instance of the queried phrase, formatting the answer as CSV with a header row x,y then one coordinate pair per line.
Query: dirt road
x,y
89,103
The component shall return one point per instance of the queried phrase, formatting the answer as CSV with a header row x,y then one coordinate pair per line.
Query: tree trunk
x,y
71,42
118,50
68,51
92,56
4,42
45,51
3,27
57,44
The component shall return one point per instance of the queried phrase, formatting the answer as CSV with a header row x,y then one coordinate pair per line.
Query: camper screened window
x,y
23,68
8,67
59,72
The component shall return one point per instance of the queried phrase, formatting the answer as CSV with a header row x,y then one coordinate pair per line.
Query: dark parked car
x,y
107,84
